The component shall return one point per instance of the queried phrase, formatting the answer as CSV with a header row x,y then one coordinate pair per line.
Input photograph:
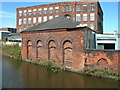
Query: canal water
x,y
25,75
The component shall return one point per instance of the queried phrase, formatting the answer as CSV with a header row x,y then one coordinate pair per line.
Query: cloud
x,y
4,14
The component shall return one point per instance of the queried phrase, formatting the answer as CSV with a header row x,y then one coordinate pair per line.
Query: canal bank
x,y
25,75
14,51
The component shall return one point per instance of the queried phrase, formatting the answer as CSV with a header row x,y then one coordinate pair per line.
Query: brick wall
x,y
103,59
59,45
72,14
67,48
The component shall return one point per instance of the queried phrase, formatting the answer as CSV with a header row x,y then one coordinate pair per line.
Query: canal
x,y
24,75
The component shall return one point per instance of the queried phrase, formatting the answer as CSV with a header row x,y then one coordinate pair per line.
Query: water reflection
x,y
33,76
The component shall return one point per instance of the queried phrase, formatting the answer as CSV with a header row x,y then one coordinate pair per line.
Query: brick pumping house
x,y
64,41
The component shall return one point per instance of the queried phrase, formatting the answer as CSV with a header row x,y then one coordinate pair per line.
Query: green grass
x,y
12,50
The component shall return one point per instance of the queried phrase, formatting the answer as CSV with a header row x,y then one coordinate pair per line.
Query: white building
x,y
4,34
107,41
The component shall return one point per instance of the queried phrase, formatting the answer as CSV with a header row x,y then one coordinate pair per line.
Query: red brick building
x,y
62,40
85,13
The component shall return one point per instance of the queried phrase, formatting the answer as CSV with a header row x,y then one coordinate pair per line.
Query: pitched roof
x,y
60,22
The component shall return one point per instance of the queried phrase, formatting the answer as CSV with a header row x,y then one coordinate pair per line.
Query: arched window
x,y
67,53
102,63
67,16
39,49
29,50
52,50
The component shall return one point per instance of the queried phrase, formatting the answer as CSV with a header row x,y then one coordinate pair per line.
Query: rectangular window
x,y
45,12
78,8
34,20
20,29
20,21
25,12
24,21
45,19
92,7
56,11
50,17
70,8
77,17
39,11
29,13
92,17
92,26
56,16
84,8
67,8
34,12
84,17
51,11
20,13
63,8
29,20
39,19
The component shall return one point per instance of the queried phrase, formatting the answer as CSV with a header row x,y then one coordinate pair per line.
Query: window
x,y
29,20
70,8
78,8
84,24
39,11
20,29
24,21
24,28
24,12
92,26
20,13
78,17
45,18
84,8
29,13
34,12
67,8
56,16
39,19
34,20
56,11
92,17
45,11
84,17
20,21
51,10
92,7
50,17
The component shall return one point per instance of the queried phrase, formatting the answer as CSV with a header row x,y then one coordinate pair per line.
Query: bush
x,y
12,50
50,65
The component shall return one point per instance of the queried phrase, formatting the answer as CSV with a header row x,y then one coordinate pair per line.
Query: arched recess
x,y
39,49
102,63
52,50
67,53
29,49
